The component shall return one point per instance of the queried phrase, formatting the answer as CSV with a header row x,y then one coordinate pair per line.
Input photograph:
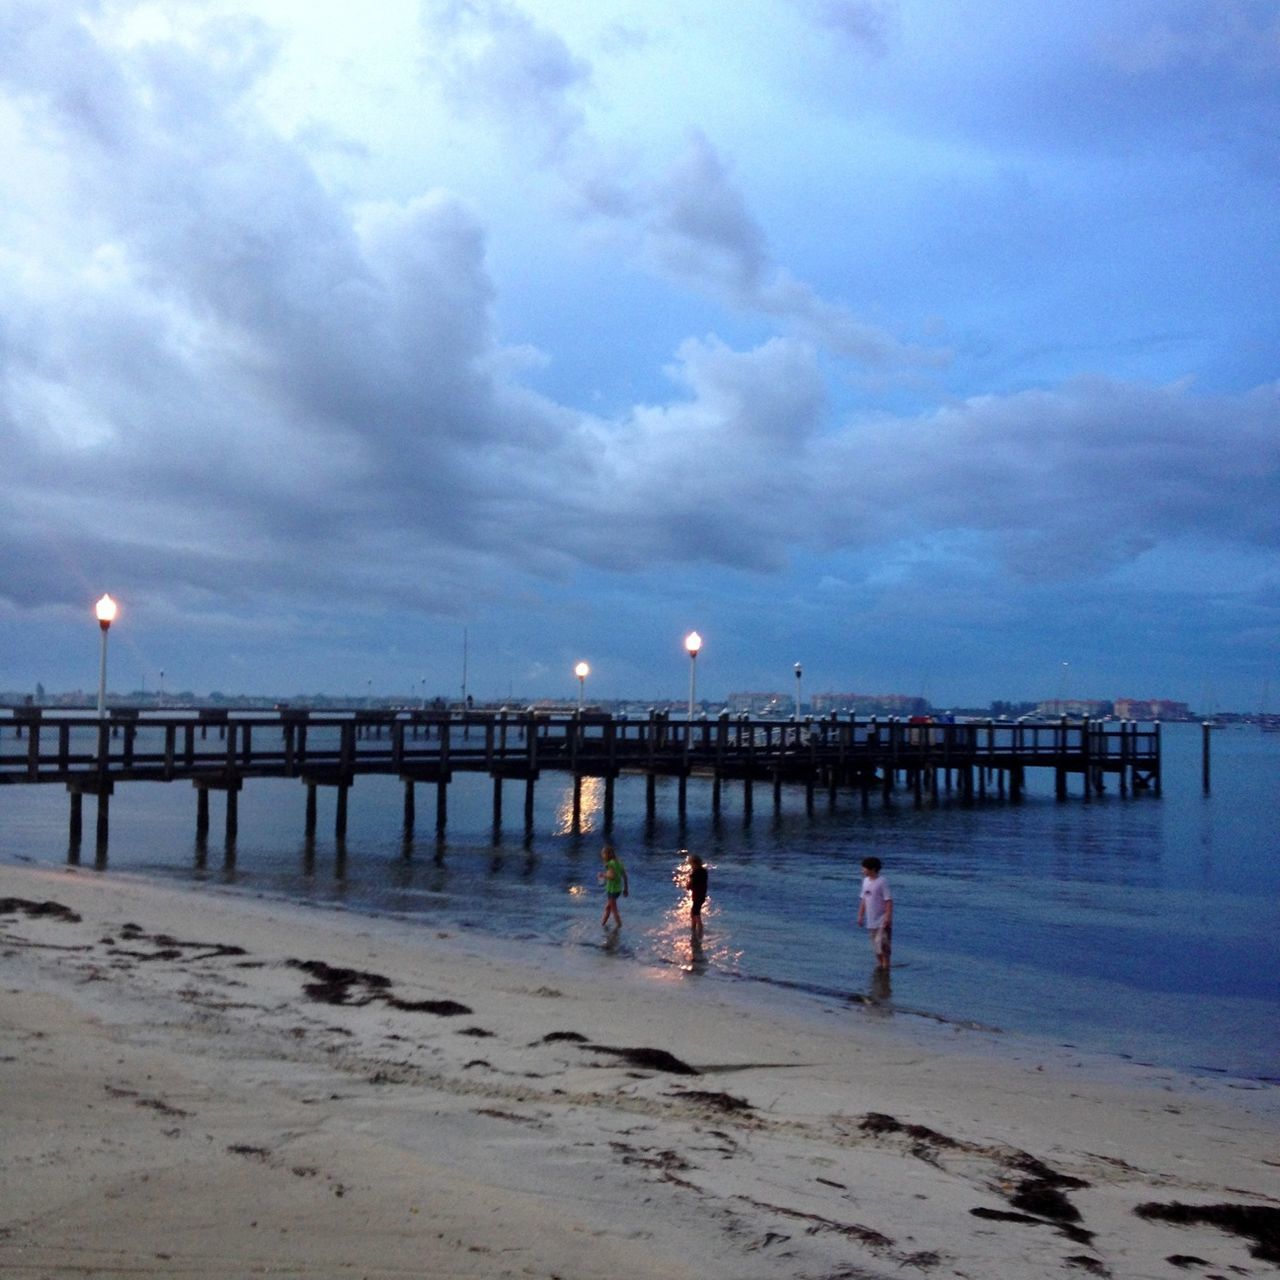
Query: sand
x,y
201,1084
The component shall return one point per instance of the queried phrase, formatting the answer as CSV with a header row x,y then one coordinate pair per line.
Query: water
x,y
1137,926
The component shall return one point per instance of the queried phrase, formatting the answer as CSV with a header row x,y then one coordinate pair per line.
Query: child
x,y
614,879
697,886
875,908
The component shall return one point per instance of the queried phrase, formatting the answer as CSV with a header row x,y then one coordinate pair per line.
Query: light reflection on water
x,y
677,943
1136,925
590,808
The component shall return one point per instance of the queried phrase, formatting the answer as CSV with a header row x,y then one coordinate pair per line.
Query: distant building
x,y
1074,708
869,704
760,704
1151,709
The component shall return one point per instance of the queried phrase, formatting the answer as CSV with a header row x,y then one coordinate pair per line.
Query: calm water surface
x,y
1135,926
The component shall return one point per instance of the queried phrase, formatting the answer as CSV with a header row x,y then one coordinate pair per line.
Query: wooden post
x,y
577,803
77,819
442,802
683,791
747,796
410,807
497,801
233,811
715,794
608,800
202,812
340,813
650,795
528,803
310,821
104,817
1205,730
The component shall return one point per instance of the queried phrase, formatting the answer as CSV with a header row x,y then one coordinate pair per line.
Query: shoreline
x,y
941,1032
247,1084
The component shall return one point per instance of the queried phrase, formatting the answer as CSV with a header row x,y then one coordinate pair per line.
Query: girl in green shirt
x,y
614,878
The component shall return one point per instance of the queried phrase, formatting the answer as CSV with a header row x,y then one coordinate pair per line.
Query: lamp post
x,y
799,678
693,643
582,671
106,610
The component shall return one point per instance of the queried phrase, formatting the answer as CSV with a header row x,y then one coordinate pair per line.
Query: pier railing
x,y
219,750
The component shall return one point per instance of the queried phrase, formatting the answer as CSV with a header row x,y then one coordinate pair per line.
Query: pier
x,y
217,750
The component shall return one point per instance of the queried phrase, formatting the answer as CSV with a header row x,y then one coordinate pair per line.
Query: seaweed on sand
x,y
1258,1223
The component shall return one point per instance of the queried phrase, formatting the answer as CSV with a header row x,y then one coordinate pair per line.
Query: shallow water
x,y
1141,926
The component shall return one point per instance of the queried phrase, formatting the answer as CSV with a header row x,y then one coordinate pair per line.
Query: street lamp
x,y
693,642
106,610
799,677
582,671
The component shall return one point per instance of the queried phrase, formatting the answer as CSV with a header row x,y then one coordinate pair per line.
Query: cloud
x,y
1239,36
692,224
1069,482
867,24
232,387
494,60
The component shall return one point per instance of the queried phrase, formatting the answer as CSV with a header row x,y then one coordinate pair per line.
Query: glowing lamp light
x,y
582,671
693,642
106,609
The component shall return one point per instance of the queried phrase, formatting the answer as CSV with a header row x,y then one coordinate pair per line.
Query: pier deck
x,y
220,751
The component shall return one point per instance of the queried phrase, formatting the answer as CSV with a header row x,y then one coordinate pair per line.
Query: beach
x,y
201,1083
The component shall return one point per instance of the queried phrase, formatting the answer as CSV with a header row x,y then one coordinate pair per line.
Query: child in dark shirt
x,y
697,886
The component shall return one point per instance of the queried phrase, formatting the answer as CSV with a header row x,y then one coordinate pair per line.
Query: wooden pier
x,y
216,750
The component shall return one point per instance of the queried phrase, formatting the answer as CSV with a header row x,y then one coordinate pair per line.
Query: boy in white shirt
x,y
875,909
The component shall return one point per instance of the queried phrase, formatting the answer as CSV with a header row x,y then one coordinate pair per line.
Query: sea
x,y
1140,928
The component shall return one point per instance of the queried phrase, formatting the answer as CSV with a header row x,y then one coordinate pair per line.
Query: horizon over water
x,y
1139,927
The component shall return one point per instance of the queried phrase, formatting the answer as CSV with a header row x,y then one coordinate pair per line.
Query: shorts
x,y
697,905
881,940
613,897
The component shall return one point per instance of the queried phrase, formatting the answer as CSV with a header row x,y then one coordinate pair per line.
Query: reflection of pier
x,y
217,751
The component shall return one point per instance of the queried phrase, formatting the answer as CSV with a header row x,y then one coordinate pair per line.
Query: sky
x,y
932,344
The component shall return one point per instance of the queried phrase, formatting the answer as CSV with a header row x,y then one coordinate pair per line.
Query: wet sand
x,y
196,1084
